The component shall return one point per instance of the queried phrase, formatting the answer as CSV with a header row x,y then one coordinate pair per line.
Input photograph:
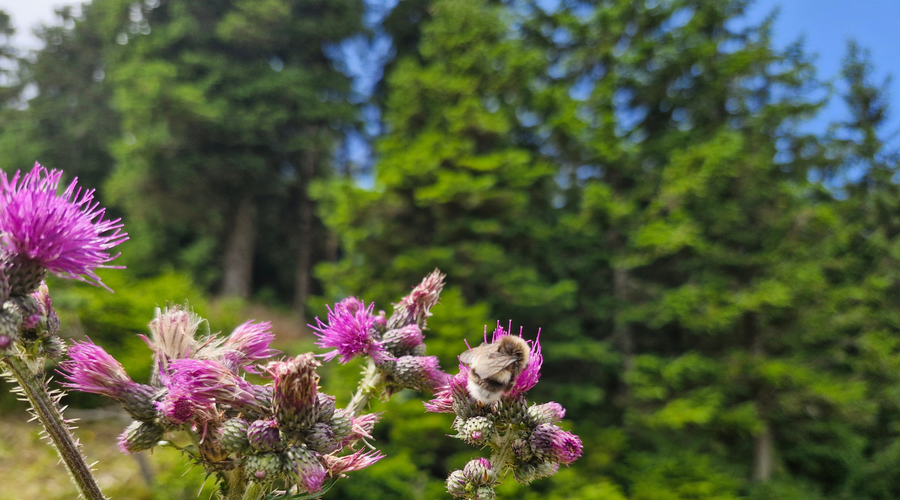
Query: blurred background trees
x,y
716,285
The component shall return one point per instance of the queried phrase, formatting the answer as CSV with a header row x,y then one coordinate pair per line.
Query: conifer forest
x,y
709,286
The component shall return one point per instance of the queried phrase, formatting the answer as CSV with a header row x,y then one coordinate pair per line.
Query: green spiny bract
x,y
233,435
140,436
477,430
265,467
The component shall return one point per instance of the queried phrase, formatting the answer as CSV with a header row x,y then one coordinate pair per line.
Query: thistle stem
x,y
366,389
48,411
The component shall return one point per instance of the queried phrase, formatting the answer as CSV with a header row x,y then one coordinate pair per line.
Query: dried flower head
x,y
247,344
295,384
416,307
64,234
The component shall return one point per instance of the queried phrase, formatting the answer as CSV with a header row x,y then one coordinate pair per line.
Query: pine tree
x,y
229,111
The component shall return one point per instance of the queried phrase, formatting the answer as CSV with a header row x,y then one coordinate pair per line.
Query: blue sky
x,y
827,26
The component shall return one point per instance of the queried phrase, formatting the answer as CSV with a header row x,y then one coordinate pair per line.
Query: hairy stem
x,y
372,378
48,411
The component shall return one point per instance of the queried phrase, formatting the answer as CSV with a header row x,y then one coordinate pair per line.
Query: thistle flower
x,y
547,413
306,468
64,234
263,435
172,334
362,427
353,462
454,391
91,369
349,332
194,386
248,343
416,307
294,393
552,444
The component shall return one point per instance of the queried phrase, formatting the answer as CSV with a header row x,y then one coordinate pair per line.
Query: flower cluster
x,y
394,345
283,434
523,439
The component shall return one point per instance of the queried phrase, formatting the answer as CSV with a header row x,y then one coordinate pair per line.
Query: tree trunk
x,y
304,258
763,455
239,252
622,331
764,442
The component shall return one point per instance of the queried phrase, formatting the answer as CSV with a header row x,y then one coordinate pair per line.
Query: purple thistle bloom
x,y
456,386
353,462
194,386
248,343
61,233
91,369
554,444
348,332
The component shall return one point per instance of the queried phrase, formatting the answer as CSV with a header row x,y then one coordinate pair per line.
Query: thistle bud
x,y
479,471
306,468
521,449
321,438
485,493
456,484
9,327
139,401
513,411
526,473
324,407
399,342
341,423
547,413
552,444
263,435
294,394
265,467
421,373
477,430
140,436
233,435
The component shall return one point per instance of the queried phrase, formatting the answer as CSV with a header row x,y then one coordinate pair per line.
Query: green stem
x,y
48,412
367,386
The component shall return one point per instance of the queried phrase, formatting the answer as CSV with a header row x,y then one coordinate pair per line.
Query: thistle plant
x,y
394,347
43,231
522,439
283,438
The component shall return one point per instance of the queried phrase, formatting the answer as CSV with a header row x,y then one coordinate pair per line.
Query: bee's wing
x,y
469,357
485,360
